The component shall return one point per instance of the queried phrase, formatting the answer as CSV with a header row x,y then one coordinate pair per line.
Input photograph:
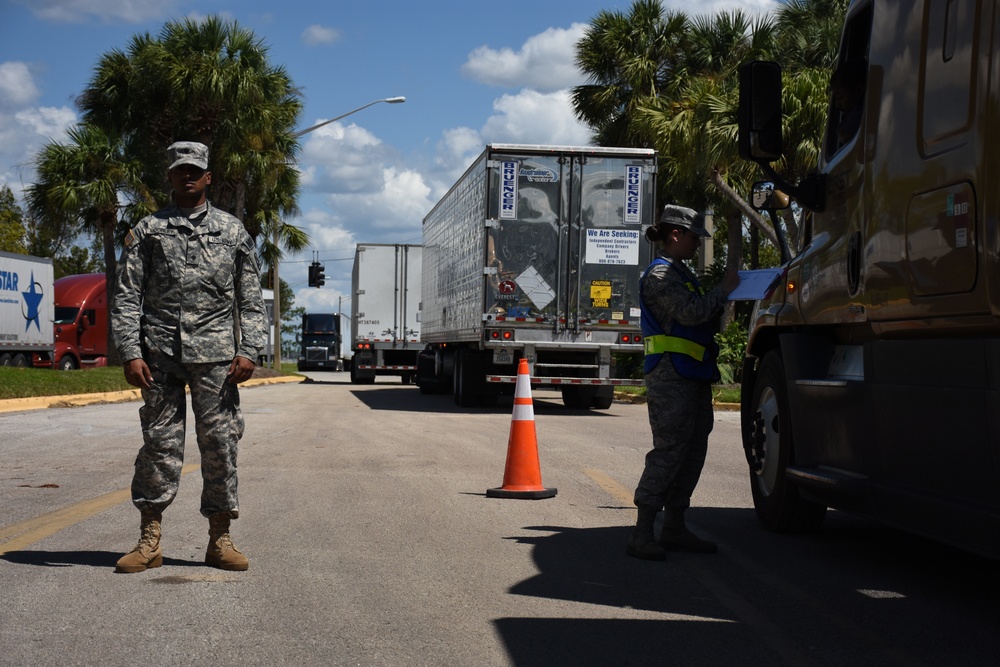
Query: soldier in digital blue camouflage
x,y
187,311
679,321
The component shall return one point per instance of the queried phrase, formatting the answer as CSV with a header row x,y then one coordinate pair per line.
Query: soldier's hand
x,y
240,370
137,374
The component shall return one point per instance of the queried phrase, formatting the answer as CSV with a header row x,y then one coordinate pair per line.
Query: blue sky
x,y
472,73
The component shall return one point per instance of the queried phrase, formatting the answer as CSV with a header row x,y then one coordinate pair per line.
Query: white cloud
x,y
25,128
318,34
46,123
711,7
79,11
531,117
391,215
545,62
326,232
22,135
17,86
344,159
454,153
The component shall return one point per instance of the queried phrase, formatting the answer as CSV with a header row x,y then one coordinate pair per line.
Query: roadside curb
x,y
77,400
636,398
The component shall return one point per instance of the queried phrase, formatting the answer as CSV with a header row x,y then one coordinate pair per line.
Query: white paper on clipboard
x,y
755,284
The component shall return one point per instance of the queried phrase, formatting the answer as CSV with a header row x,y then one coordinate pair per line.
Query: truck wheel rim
x,y
768,441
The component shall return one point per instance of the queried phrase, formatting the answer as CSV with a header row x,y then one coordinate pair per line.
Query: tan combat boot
x,y
147,553
222,553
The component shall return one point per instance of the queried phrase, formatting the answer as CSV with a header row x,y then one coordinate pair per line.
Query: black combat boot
x,y
675,535
642,544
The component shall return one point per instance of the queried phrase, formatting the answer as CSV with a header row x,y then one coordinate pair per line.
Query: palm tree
x,y
83,179
695,129
808,33
209,82
807,40
12,230
676,90
629,60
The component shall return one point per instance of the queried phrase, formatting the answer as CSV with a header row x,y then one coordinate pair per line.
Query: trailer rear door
x,y
566,243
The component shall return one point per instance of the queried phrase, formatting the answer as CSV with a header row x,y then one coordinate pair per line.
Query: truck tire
x,y
426,379
20,360
770,451
603,398
5,359
573,399
467,378
576,397
67,363
358,378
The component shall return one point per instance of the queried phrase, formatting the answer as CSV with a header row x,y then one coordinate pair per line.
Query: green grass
x,y
721,393
27,382
726,393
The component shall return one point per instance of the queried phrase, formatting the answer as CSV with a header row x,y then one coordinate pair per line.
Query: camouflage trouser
x,y
681,417
218,424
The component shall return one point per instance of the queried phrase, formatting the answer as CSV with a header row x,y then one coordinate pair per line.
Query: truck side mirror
x,y
759,114
766,197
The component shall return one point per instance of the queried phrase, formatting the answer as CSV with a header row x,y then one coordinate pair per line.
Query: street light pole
x,y
276,306
388,100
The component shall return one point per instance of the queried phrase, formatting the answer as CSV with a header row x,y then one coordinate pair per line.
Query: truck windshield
x,y
65,315
320,323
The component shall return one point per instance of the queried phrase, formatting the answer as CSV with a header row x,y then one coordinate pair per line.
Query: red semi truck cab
x,y
81,322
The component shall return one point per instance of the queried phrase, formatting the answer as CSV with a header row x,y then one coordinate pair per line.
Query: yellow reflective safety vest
x,y
692,349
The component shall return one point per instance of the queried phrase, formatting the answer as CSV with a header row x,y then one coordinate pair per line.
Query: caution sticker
x,y
600,294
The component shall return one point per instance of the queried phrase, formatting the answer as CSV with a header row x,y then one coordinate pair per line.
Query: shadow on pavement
x,y
409,399
106,559
853,593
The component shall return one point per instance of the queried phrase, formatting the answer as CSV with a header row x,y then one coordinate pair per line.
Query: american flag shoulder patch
x,y
129,239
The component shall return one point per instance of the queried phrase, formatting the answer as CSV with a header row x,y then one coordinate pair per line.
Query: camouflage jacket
x,y
179,284
665,293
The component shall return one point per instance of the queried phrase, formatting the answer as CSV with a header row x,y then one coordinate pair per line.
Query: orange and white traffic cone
x,y
522,476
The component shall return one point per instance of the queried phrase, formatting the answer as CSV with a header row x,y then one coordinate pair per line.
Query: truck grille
x,y
317,354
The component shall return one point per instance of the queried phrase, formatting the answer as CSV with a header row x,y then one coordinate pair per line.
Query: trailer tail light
x,y
630,339
364,346
500,335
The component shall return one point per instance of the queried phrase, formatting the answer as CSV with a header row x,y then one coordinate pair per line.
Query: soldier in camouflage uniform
x,y
183,275
679,321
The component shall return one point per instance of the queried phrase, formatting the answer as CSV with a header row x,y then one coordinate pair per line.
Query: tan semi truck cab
x,y
872,375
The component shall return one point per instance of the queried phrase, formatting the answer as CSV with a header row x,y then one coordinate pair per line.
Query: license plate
x,y
503,356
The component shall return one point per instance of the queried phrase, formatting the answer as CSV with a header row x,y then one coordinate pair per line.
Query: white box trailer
x,y
536,253
385,304
27,310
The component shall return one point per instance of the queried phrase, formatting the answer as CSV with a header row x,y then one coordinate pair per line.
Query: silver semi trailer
x,y
536,253
385,328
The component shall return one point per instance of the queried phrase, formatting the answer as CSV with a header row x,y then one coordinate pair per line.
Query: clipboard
x,y
757,284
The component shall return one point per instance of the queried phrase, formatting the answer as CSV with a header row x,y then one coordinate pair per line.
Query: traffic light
x,y
320,276
313,270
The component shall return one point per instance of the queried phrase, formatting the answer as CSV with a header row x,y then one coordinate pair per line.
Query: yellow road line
x,y
611,486
25,533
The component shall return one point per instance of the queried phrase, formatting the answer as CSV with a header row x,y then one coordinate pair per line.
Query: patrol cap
x,y
187,152
681,216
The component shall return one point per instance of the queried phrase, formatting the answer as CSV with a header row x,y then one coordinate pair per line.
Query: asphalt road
x,y
372,542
